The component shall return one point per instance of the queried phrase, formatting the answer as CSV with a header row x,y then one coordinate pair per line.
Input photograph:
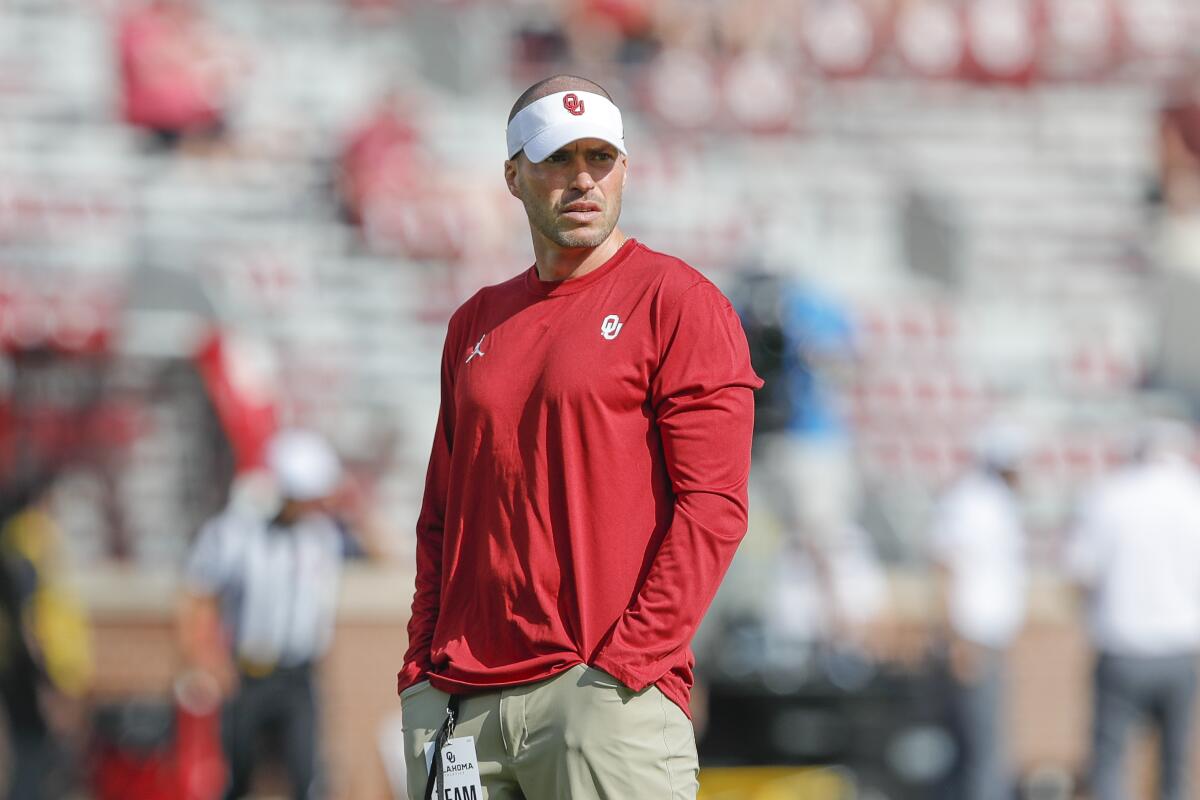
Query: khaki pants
x,y
579,735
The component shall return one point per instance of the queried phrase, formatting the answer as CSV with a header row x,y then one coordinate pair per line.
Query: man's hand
x,y
967,660
202,640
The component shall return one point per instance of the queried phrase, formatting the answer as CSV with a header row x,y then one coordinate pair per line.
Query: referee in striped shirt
x,y
260,598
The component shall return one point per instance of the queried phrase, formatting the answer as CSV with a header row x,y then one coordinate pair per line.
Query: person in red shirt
x,y
171,82
381,155
585,494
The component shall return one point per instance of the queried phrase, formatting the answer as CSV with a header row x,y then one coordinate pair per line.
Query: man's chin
x,y
581,238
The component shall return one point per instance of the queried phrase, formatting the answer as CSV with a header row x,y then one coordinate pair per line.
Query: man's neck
x,y
555,263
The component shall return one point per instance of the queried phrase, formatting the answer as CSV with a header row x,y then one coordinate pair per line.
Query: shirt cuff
x,y
619,671
412,673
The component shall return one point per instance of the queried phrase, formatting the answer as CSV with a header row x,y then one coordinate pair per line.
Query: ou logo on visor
x,y
611,327
573,104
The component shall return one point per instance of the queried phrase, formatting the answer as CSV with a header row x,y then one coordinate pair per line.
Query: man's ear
x,y
625,177
510,176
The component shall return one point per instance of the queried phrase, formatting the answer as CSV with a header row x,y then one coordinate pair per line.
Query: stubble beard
x,y
546,221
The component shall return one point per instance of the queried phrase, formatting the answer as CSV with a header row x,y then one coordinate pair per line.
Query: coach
x,y
586,490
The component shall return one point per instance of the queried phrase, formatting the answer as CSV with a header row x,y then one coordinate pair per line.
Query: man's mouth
x,y
581,211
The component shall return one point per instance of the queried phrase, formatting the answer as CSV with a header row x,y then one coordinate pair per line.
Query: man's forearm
x,y
682,581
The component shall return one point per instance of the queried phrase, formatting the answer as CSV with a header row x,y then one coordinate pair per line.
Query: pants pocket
x,y
419,686
422,707
606,742
421,712
593,676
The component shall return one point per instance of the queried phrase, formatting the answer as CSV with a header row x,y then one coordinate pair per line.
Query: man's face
x,y
573,197
294,509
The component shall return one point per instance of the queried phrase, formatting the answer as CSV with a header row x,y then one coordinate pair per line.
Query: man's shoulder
x,y
223,537
975,492
956,496
233,520
672,276
670,269
487,295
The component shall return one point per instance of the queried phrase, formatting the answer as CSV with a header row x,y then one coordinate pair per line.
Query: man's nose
x,y
583,180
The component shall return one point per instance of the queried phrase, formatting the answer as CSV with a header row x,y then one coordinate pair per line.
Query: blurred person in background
x,y
1174,241
1135,552
841,612
802,343
259,611
1178,180
45,646
601,33
174,74
401,203
978,545
586,489
380,153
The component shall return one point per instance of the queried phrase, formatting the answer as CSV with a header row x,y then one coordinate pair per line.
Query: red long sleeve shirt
x,y
587,486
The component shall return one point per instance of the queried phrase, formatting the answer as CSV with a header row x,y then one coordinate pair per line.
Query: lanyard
x,y
444,732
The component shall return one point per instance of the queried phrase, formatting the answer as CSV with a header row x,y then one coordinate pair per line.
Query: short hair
x,y
553,85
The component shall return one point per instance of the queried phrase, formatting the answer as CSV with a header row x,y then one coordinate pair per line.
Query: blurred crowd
x,y
1126,555
243,191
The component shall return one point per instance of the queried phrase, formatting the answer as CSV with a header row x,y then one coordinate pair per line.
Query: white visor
x,y
556,120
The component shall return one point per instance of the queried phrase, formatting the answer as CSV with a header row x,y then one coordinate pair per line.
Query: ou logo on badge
x,y
611,327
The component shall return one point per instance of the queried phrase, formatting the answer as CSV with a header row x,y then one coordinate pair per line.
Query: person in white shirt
x,y
806,609
260,596
978,544
1135,551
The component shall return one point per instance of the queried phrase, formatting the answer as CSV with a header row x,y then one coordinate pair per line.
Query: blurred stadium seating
x,y
1042,182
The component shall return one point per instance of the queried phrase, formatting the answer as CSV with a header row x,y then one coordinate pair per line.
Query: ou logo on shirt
x,y
611,326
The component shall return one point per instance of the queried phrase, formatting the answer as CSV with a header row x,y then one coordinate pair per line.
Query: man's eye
x,y
556,158
602,156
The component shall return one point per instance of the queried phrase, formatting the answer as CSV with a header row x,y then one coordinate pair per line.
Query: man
x,y
1135,551
802,341
45,643
586,489
267,588
978,544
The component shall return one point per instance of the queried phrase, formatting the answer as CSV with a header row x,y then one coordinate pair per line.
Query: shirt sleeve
x,y
209,565
703,401
430,525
